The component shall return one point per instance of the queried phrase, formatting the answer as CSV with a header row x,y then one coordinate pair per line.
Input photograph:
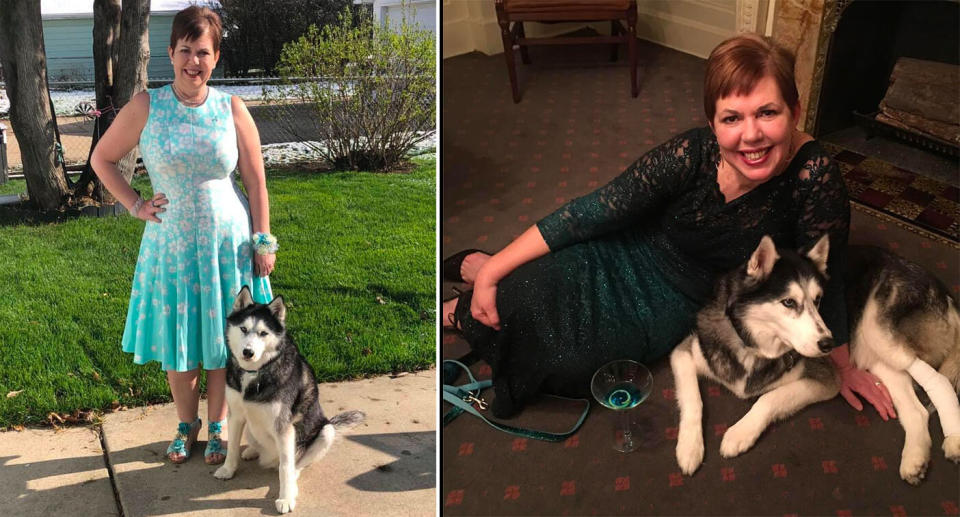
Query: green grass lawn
x,y
356,267
13,187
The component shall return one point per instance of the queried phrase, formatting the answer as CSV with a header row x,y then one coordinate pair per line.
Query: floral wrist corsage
x,y
265,243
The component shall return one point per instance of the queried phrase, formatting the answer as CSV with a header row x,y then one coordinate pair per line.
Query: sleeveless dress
x,y
631,263
191,265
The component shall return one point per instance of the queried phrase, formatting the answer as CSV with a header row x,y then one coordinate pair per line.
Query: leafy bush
x,y
371,90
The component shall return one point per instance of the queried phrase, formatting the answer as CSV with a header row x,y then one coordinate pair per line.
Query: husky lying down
x,y
272,393
762,335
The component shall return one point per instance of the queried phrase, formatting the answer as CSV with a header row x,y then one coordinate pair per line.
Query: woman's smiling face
x,y
194,61
755,132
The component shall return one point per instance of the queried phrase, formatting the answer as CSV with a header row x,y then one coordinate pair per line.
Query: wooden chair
x,y
519,11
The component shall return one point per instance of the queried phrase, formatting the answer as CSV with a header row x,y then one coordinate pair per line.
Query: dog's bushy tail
x,y
348,419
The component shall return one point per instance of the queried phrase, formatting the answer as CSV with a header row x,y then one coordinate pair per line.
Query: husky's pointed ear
x,y
762,260
278,308
244,299
818,253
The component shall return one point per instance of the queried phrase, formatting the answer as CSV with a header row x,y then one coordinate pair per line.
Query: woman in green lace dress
x,y
621,272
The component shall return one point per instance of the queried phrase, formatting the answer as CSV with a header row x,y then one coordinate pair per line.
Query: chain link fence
x,y
278,123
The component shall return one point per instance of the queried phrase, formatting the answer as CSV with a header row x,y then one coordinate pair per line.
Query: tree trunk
x,y
24,63
134,54
131,69
106,42
121,50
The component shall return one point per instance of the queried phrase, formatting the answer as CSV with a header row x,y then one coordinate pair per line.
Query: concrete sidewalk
x,y
385,466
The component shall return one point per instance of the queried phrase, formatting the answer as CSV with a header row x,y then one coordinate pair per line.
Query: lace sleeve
x,y
644,186
825,208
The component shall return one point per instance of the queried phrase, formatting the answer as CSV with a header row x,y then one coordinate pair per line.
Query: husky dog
x,y
903,324
762,334
272,393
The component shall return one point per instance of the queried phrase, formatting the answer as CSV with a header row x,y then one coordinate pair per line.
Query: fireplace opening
x,y
869,41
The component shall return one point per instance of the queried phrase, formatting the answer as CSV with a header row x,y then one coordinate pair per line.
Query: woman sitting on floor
x,y
621,272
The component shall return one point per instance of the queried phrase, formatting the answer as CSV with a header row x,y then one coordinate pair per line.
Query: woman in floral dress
x,y
198,245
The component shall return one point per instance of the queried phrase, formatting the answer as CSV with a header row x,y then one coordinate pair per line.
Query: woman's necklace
x,y
189,103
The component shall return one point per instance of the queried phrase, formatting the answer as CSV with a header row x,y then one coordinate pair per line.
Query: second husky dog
x,y
272,394
762,335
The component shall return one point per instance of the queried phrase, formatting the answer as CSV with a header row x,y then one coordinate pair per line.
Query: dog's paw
x,y
913,465
285,505
689,452
224,472
951,448
249,453
737,440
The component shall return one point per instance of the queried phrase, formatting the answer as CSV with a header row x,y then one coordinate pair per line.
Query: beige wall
x,y
691,26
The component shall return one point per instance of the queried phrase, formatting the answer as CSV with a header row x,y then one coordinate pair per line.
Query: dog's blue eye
x,y
243,329
263,333
789,303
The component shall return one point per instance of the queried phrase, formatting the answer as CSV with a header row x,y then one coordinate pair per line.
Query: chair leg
x,y
632,49
524,55
614,30
508,54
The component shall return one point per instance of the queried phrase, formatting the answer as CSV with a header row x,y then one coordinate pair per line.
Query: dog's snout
x,y
826,344
247,353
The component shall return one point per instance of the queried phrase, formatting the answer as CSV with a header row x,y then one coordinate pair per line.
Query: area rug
x,y
903,194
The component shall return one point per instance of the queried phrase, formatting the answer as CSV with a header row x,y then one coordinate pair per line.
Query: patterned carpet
x,y
909,196
504,166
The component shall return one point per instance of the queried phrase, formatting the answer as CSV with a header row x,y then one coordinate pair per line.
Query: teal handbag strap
x,y
463,396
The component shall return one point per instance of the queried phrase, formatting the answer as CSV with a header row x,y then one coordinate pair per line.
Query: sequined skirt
x,y
569,312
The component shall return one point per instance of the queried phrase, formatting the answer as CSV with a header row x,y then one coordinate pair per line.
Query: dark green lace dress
x,y
631,263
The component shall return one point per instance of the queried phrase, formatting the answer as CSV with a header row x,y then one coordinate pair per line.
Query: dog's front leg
x,y
287,447
914,419
235,424
773,405
690,434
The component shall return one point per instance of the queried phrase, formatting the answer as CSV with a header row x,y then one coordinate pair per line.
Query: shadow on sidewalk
x,y
150,485
414,468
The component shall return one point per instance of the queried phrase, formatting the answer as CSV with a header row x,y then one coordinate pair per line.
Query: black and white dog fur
x,y
272,394
762,335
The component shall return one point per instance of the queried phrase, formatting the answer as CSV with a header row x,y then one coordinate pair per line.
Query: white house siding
x,y
69,47
423,13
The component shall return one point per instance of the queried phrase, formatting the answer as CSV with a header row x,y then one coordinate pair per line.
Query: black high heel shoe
x,y
451,264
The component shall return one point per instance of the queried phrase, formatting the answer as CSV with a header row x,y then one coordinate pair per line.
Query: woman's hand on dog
x,y
869,387
263,264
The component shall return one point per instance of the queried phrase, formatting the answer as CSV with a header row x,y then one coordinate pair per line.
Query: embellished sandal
x,y
451,264
179,449
215,452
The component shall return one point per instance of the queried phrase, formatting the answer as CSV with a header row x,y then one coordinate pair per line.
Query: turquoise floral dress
x,y
191,265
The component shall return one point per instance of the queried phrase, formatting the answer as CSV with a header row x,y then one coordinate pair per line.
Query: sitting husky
x,y
272,392
762,335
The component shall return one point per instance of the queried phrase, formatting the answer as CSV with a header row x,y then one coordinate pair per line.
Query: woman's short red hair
x,y
190,23
739,63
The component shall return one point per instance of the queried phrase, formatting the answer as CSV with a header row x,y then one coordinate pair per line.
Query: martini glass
x,y
621,386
